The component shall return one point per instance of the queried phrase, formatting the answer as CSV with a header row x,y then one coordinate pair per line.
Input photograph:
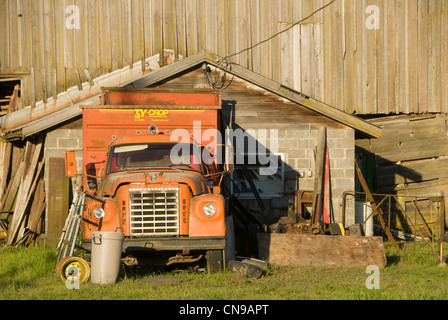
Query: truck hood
x,y
110,183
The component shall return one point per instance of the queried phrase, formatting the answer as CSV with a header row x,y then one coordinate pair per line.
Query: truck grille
x,y
154,211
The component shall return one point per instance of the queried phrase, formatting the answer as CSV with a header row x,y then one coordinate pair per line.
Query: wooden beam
x,y
310,250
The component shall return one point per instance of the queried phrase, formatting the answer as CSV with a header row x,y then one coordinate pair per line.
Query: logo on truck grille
x,y
154,211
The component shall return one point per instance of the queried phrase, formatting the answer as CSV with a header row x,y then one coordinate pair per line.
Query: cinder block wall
x,y
297,144
63,138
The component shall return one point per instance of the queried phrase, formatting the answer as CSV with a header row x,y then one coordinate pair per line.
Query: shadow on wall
x,y
259,168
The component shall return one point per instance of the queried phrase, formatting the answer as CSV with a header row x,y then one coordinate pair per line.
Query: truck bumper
x,y
170,244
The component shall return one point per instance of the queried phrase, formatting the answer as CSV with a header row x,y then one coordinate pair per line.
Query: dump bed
x,y
127,113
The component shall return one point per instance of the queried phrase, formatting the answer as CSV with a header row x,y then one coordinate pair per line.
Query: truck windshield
x,y
153,155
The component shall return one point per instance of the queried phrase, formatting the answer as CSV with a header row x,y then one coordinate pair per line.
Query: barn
x,y
355,68
273,118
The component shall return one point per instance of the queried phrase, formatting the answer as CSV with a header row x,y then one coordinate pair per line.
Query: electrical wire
x,y
224,64
280,32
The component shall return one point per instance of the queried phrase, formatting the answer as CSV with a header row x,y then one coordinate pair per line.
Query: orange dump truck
x,y
145,174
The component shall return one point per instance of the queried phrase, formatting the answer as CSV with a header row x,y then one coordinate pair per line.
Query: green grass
x,y
28,274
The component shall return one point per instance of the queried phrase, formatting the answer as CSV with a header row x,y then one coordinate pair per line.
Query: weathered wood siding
x,y
411,156
400,67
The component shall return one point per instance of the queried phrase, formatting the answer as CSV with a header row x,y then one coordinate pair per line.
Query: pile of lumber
x,y
22,189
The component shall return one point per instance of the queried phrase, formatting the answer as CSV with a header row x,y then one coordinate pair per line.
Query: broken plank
x,y
9,197
32,155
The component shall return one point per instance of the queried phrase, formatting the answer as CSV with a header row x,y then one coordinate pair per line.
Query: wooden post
x,y
441,227
319,170
58,200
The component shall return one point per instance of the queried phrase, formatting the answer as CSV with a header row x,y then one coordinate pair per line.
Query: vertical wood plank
x,y
147,30
13,30
318,69
231,27
191,27
391,49
412,19
136,32
114,14
328,60
127,32
275,43
288,69
444,58
254,30
422,53
4,43
37,37
58,200
200,16
59,29
44,42
338,55
264,34
211,27
370,66
382,54
349,63
285,17
296,56
434,39
222,32
242,32
157,26
181,28
169,36
49,53
306,59
401,58
91,43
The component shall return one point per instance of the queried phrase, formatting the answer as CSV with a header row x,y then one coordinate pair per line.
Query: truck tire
x,y
215,261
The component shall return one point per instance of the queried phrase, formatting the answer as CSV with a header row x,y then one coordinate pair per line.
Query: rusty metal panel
x,y
202,99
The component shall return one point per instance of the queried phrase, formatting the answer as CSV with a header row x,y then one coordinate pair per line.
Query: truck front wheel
x,y
215,261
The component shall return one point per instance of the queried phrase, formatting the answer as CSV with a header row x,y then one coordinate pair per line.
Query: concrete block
x,y
337,153
342,163
51,142
69,143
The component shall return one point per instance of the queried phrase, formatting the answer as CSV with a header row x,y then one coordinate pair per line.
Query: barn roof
x,y
29,121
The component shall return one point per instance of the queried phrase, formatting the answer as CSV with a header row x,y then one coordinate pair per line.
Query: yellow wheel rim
x,y
71,268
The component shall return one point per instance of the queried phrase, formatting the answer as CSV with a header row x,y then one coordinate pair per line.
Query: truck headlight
x,y
98,213
209,209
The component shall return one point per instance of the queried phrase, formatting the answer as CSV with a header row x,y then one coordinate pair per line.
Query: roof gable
x,y
23,123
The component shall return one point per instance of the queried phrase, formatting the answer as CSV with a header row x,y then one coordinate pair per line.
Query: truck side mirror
x,y
70,163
